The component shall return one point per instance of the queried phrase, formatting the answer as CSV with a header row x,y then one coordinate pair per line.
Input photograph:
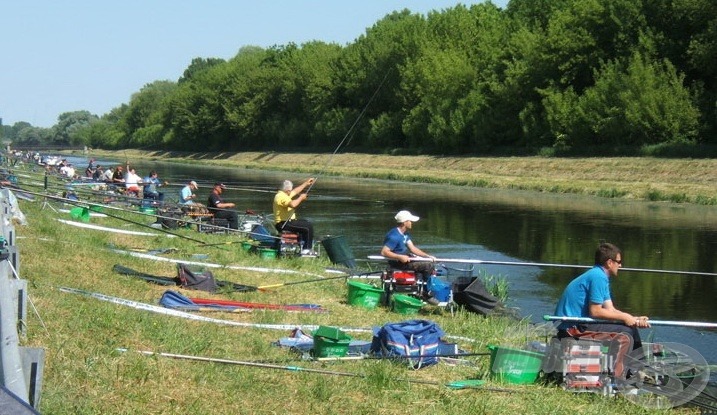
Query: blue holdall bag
x,y
416,340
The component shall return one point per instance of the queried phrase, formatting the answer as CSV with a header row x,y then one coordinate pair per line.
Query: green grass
x,y
86,374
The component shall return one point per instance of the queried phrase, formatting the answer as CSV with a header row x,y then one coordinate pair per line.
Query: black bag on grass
x,y
475,297
170,218
203,281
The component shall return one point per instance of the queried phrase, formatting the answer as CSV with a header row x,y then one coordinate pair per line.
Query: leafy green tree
x,y
32,136
535,14
68,123
634,103
97,134
10,132
451,87
587,32
141,121
210,109
198,65
369,71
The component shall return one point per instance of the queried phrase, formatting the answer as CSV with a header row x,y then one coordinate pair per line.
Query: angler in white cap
x,y
399,248
186,195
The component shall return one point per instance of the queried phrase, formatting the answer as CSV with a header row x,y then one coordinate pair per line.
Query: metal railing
x,y
21,368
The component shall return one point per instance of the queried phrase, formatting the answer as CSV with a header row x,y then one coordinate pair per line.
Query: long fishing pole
x,y
694,324
539,264
262,365
454,385
400,358
343,140
191,222
189,316
265,287
178,181
169,280
82,205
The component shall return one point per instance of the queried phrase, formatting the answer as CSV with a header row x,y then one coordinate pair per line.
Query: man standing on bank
x,y
286,201
221,209
400,249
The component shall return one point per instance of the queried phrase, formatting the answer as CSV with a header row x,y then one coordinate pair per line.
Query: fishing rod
x,y
82,205
453,385
694,324
158,279
77,185
538,264
399,358
166,281
265,287
341,143
90,193
80,188
350,130
229,185
219,305
176,313
210,264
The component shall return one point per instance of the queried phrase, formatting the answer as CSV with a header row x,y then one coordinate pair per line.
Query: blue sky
x,y
60,56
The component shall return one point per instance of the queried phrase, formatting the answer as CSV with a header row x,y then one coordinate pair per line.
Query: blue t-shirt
x,y
396,241
592,287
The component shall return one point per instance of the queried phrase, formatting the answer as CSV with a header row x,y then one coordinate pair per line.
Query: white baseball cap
x,y
405,215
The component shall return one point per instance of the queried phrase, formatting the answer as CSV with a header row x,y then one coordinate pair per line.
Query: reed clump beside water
x,y
86,374
639,178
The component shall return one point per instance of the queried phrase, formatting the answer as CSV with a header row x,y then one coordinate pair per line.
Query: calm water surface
x,y
513,226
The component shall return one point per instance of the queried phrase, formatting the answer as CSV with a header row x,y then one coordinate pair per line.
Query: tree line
x,y
538,77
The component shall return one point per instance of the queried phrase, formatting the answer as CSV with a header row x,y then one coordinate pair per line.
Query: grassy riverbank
x,y
653,179
86,374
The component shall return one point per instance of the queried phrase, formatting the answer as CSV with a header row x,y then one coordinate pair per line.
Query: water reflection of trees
x,y
564,237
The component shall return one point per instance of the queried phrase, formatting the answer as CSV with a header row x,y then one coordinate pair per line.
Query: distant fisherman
x,y
286,201
186,195
151,185
221,209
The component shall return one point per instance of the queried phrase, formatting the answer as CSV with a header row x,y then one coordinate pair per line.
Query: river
x,y
500,225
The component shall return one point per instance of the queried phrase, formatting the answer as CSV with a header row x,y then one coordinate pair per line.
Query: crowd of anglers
x,y
123,181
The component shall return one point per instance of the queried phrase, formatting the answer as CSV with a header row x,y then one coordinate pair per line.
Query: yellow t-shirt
x,y
282,207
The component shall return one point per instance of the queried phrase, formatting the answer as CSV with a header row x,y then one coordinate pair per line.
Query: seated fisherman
x,y
221,209
588,295
118,176
132,181
108,175
286,200
400,249
186,195
151,185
